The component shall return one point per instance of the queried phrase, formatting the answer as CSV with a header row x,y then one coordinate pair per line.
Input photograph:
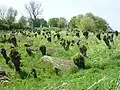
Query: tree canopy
x,y
57,22
81,22
34,10
88,22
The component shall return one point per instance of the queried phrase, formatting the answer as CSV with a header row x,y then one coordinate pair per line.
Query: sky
x,y
107,9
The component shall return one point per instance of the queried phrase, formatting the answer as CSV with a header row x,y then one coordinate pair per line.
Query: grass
x,y
102,73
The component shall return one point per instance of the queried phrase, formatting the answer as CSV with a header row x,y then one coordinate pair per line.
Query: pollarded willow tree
x,y
34,9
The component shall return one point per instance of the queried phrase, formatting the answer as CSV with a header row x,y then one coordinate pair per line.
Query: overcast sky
x,y
107,9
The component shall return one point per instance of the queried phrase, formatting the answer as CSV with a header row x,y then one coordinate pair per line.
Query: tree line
x,y
34,9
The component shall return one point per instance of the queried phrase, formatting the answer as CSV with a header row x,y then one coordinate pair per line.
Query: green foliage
x,y
43,23
101,62
88,22
34,11
11,15
17,26
4,26
53,22
62,22
81,22
74,21
22,22
57,22
8,19
38,22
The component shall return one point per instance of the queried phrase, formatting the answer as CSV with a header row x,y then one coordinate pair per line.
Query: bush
x,y
4,26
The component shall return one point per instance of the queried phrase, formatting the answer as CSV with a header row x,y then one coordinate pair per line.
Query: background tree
x,y
2,13
57,22
34,10
22,22
73,22
89,22
100,22
90,15
39,22
62,23
43,23
11,16
53,22
7,17
3,25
